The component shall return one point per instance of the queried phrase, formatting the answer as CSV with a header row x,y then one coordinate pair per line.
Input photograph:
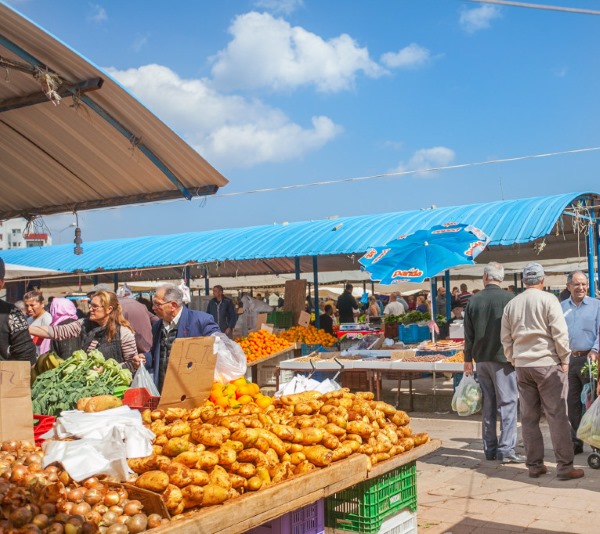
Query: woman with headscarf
x,y
105,330
64,311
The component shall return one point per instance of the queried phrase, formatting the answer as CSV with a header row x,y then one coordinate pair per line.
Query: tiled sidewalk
x,y
459,492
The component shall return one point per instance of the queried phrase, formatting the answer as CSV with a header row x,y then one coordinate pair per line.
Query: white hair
x,y
172,293
494,271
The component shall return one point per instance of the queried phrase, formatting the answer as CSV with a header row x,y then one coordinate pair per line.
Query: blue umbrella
x,y
424,254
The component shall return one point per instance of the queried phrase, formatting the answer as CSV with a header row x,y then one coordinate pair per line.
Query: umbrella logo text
x,y
473,247
410,273
381,255
447,231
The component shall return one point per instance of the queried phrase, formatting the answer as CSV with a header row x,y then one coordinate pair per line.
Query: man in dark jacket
x,y
223,311
483,317
15,341
347,305
177,321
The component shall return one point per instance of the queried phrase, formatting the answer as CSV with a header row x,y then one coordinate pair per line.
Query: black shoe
x,y
577,449
513,458
490,456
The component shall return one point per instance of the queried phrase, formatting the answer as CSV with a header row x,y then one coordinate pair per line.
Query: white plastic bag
x,y
231,360
589,428
142,379
467,397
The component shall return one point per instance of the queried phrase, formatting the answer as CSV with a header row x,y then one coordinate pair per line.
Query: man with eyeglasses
x,y
177,322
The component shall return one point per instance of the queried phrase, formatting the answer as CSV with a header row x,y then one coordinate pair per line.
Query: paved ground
x,y
460,492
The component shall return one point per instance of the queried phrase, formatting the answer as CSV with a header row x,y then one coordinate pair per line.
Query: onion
x,y
100,508
10,445
51,477
94,517
56,528
19,472
117,528
48,508
93,496
20,516
51,469
30,529
133,508
91,482
111,498
64,506
117,509
64,477
137,523
41,520
76,495
33,459
81,508
122,519
109,518
154,520
89,528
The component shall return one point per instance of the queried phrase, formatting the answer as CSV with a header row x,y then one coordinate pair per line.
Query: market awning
x,y
73,139
24,271
552,227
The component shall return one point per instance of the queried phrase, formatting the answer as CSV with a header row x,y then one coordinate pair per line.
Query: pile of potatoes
x,y
207,455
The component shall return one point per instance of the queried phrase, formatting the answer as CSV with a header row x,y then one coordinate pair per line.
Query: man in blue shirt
x,y
582,314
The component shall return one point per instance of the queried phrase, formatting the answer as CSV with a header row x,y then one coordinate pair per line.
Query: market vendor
x,y
15,341
35,308
105,330
177,321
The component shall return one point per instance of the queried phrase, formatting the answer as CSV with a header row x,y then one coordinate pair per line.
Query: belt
x,y
578,353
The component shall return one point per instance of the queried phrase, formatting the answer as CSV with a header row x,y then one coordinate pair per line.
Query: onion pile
x,y
35,500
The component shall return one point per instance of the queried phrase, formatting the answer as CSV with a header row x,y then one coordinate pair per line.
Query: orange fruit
x,y
245,399
239,381
263,401
253,388
223,402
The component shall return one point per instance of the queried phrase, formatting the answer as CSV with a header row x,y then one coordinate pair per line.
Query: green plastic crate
x,y
280,319
363,508
120,391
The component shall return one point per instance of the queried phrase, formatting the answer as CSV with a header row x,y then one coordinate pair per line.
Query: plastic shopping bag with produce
x,y
589,428
467,397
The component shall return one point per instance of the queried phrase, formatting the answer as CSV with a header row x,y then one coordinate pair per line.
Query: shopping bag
x,y
467,397
231,361
587,395
16,422
142,379
589,428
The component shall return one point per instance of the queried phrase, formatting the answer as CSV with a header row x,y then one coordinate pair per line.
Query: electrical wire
x,y
538,6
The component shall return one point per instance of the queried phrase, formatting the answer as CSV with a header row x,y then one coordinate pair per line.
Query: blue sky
x,y
282,92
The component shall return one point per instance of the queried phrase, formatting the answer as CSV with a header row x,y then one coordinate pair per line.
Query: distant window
x,y
16,231
36,243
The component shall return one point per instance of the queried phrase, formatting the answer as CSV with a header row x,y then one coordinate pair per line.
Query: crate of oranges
x,y
309,335
238,393
261,345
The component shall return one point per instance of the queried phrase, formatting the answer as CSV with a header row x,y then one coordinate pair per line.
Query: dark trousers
x,y
545,387
576,382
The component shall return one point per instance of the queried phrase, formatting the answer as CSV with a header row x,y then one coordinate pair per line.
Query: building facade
x,y
13,234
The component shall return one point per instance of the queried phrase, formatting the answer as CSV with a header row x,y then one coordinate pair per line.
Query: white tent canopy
x,y
23,271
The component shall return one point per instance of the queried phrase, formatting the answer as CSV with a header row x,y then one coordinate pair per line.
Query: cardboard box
x,y
190,373
261,319
16,413
304,319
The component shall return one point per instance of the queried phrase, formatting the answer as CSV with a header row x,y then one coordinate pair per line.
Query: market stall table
x,y
253,509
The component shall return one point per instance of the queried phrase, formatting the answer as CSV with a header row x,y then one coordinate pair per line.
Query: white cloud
x,y
427,158
270,53
285,7
479,18
98,14
561,72
229,131
412,55
139,42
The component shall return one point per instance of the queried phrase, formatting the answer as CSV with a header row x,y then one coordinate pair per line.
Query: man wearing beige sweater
x,y
536,341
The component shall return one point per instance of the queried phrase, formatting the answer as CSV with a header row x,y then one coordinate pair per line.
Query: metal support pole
x,y
316,283
433,297
521,276
597,225
206,283
95,280
116,281
297,267
448,295
515,281
186,275
590,258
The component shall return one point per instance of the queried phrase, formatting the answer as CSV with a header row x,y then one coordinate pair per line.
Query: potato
x,y
156,450
264,475
352,444
199,477
235,445
291,400
407,443
195,413
254,483
246,470
278,473
383,443
334,429
272,458
156,481
208,435
158,427
173,499
312,436
400,418
366,395
303,467
214,495
337,419
172,414
142,465
178,473
188,458
273,441
261,444
157,414
330,441
232,423
207,460
147,416
237,481
226,455
405,430
247,436
297,457
379,457
354,437
265,419
366,449
318,455
161,440
192,496
421,438
303,408
365,430
219,477
178,429
396,449
175,446
253,456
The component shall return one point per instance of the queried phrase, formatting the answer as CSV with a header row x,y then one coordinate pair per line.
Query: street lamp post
x,y
59,232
